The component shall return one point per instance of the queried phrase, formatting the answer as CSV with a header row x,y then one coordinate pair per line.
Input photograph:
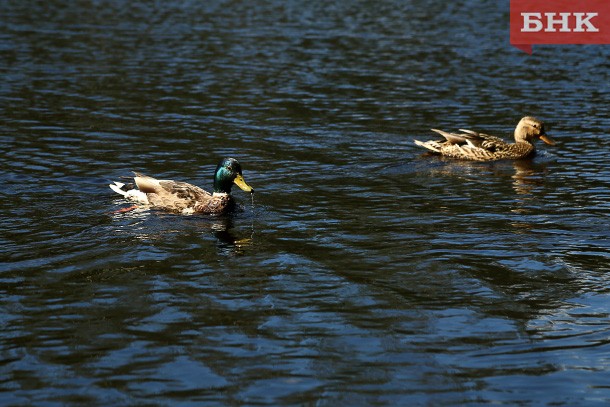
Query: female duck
x,y
186,198
470,145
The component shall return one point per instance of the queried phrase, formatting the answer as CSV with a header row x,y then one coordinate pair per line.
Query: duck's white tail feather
x,y
116,187
133,194
430,145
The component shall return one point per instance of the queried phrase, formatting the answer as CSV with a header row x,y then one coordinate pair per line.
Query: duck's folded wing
x,y
483,136
146,184
467,137
184,191
452,138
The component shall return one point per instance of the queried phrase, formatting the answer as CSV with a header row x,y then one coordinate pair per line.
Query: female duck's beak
x,y
239,181
547,139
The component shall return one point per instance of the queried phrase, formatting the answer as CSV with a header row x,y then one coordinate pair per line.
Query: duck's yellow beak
x,y
547,139
239,181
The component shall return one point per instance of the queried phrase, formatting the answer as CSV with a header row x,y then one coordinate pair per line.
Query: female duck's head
x,y
227,173
530,129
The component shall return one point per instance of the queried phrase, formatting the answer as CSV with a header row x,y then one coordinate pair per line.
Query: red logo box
x,y
559,22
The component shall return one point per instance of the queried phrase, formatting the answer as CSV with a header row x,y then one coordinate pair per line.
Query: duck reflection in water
x,y
525,173
528,177
227,242
139,224
527,180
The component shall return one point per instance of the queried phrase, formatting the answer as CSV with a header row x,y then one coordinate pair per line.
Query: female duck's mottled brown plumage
x,y
185,198
470,145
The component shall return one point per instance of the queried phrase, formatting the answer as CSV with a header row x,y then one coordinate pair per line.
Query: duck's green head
x,y
228,173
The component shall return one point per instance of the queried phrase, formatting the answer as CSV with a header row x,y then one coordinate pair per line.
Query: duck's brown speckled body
x,y
470,145
186,198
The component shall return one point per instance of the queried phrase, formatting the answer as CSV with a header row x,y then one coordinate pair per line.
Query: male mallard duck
x,y
186,198
470,145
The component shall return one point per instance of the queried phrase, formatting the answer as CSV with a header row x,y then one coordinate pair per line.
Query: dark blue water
x,y
363,273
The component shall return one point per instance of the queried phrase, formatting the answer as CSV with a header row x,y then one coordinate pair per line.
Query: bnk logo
x,y
559,22
532,22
